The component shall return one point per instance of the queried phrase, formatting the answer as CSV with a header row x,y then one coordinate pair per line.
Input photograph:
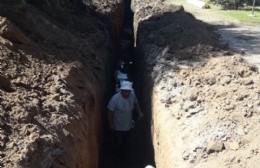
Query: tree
x,y
253,8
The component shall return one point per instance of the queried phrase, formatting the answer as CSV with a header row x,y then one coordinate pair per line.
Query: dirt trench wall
x,y
112,13
53,80
204,100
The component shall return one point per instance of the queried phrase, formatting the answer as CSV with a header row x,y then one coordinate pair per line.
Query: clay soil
x,y
51,82
204,97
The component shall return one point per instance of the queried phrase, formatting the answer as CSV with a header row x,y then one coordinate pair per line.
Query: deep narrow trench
x,y
140,151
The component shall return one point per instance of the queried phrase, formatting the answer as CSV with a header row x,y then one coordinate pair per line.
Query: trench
x,y
140,151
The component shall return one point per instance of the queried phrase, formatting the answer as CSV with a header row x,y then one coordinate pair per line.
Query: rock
x,y
34,136
229,107
258,88
193,96
186,155
9,31
257,110
241,97
2,144
211,81
188,105
6,43
248,82
56,97
10,145
240,131
195,111
233,145
179,115
215,146
227,53
5,84
3,137
225,80
53,89
244,73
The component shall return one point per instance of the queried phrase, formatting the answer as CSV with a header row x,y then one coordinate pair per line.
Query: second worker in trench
x,y
120,116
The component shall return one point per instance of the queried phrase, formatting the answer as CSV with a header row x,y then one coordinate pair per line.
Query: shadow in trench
x,y
139,150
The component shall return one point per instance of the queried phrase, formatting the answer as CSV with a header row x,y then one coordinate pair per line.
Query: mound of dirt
x,y
208,114
52,79
204,99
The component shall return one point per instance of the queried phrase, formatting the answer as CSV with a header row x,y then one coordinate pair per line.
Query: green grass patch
x,y
243,14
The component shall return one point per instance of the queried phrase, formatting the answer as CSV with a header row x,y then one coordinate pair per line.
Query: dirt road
x,y
241,37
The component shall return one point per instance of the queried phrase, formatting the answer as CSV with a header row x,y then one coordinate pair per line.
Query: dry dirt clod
x,y
215,146
233,145
5,84
9,31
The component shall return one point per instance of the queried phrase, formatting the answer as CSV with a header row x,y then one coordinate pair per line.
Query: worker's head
x,y
125,93
126,88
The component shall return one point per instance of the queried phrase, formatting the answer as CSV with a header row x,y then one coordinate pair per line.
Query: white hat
x,y
149,166
126,85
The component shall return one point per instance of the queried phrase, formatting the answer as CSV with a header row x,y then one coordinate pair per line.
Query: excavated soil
x,y
200,99
203,98
52,80
207,114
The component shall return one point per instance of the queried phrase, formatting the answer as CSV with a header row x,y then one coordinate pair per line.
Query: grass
x,y
243,14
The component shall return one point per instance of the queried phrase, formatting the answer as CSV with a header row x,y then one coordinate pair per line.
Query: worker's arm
x,y
140,113
110,120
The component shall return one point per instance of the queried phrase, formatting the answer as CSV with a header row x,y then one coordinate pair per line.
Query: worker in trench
x,y
120,116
